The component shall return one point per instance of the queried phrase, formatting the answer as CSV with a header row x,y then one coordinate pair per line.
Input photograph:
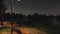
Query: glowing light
x,y
19,0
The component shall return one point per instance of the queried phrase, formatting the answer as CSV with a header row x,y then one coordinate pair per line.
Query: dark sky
x,y
34,6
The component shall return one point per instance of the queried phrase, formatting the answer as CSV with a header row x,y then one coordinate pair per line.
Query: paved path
x,y
23,30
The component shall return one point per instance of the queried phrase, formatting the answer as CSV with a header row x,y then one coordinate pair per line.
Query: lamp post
x,y
12,12
12,5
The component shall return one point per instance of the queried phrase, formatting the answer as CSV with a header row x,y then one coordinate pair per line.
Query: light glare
x,y
19,0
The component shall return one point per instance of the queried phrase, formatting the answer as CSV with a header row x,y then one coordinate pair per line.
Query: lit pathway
x,y
24,30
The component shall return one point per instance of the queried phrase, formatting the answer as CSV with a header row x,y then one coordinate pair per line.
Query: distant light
x,y
19,0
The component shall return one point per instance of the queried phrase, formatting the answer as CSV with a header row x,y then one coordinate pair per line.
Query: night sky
x,y
34,6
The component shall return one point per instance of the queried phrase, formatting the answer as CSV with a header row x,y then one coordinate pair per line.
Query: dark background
x,y
34,6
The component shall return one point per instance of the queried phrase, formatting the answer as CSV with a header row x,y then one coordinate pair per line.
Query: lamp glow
x,y
19,0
